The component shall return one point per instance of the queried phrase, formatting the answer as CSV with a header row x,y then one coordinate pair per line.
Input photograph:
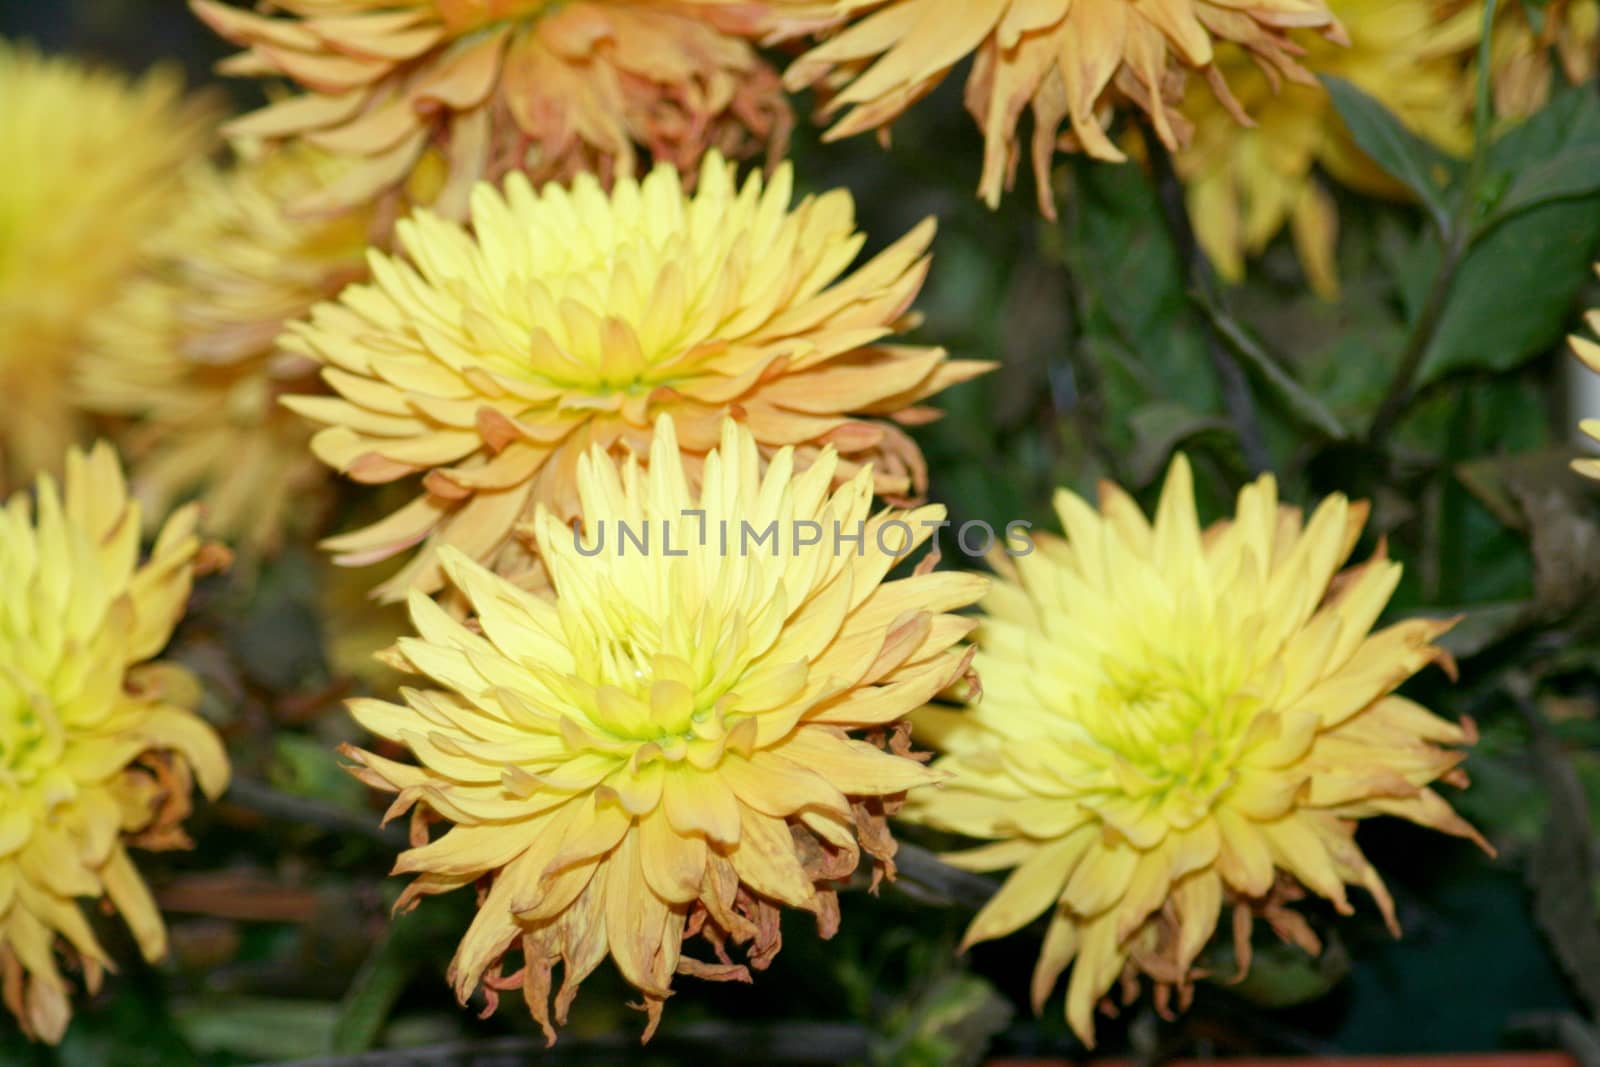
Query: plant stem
x,y
1402,385
275,804
1236,396
921,874
1456,237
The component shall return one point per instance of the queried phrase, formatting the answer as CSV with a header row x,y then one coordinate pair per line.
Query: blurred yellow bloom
x,y
1072,61
664,750
555,90
1175,719
1245,183
1532,41
90,165
497,356
190,349
97,742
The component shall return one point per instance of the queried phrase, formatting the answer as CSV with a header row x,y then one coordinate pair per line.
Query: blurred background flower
x,y
1245,182
189,350
92,164
1534,44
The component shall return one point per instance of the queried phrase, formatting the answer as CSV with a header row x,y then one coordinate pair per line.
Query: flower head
x,y
1244,183
553,89
97,742
1072,62
91,163
1176,718
488,364
190,348
664,749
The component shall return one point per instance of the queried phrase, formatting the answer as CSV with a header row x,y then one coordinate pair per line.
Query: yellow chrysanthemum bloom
x,y
1174,719
664,750
552,89
1245,183
1531,42
1071,61
91,162
97,743
490,363
190,349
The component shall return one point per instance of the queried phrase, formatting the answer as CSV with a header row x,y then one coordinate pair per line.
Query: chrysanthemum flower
x,y
97,741
1531,42
1245,183
190,348
554,90
1072,61
91,162
1175,719
664,750
490,363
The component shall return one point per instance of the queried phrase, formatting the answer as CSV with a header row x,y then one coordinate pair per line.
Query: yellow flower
x,y
664,749
190,348
90,167
1244,183
555,90
1531,41
97,742
1072,61
490,363
1174,719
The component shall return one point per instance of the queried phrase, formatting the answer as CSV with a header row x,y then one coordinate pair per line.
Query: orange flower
x,y
1072,61
555,90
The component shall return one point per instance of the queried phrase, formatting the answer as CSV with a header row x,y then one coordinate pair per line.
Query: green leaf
x,y
260,1028
1553,156
1515,290
1573,173
1409,159
1159,429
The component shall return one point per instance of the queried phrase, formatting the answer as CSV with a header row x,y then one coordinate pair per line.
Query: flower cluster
x,y
498,255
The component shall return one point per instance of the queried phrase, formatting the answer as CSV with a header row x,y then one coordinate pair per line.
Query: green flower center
x,y
31,738
1174,730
